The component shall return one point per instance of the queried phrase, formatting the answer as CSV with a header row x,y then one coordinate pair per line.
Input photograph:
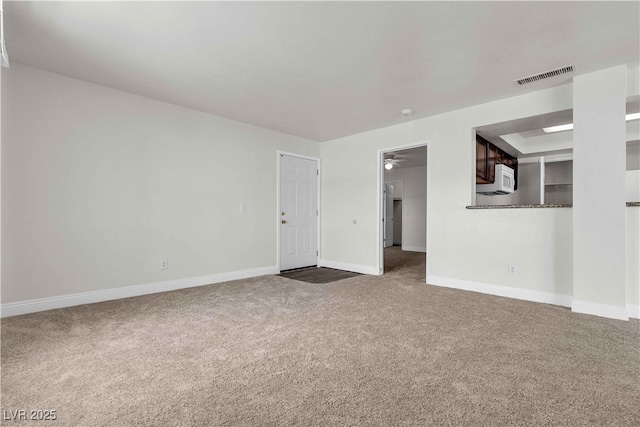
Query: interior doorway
x,y
402,202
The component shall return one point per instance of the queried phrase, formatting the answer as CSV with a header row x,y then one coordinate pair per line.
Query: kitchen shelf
x,y
556,180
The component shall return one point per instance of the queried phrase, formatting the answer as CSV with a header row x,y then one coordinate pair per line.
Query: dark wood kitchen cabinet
x,y
481,161
492,161
487,157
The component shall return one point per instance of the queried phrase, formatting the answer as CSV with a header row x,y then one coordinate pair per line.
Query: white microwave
x,y
504,184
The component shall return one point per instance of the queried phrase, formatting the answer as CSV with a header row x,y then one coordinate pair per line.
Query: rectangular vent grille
x,y
545,75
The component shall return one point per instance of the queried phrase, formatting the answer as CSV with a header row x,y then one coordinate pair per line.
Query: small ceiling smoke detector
x,y
407,112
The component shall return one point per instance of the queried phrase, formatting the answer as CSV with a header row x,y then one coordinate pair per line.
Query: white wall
x,y
632,185
467,248
1,68
537,241
633,239
414,206
632,257
99,185
599,211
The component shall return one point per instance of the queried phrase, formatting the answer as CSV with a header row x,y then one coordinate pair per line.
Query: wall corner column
x,y
599,152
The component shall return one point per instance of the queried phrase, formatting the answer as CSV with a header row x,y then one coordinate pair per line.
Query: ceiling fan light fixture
x,y
389,162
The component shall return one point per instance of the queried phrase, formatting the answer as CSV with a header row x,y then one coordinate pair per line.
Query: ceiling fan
x,y
390,161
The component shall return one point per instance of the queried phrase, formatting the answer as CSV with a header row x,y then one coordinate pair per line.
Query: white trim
x,y
602,310
42,304
503,291
380,195
543,178
584,307
279,155
414,248
356,268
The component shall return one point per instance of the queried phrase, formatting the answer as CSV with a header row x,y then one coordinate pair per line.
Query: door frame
x,y
401,181
279,155
385,215
380,199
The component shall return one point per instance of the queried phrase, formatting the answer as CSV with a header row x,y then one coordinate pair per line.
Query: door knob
x,y
284,221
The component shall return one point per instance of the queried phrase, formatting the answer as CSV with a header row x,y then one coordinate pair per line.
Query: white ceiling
x,y
524,137
321,70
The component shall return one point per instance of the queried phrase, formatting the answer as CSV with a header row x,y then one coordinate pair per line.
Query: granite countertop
x,y
550,205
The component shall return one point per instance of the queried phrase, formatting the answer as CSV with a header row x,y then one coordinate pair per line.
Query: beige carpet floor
x,y
367,351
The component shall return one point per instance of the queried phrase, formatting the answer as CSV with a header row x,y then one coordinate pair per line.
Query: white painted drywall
x,y
99,185
463,245
414,205
633,156
632,185
633,256
599,163
633,237
1,300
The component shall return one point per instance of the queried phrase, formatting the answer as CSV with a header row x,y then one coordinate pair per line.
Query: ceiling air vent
x,y
545,75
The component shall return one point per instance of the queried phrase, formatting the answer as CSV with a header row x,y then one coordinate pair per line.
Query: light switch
x,y
243,207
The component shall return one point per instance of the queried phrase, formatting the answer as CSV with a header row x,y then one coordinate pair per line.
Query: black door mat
x,y
318,274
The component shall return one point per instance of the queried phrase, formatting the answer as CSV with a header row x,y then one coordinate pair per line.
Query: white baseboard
x,y
503,291
414,248
356,268
42,304
602,310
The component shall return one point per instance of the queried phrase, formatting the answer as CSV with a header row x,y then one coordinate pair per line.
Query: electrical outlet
x,y
512,269
164,264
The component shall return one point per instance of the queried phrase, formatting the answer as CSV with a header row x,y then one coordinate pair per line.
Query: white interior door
x,y
388,215
298,220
